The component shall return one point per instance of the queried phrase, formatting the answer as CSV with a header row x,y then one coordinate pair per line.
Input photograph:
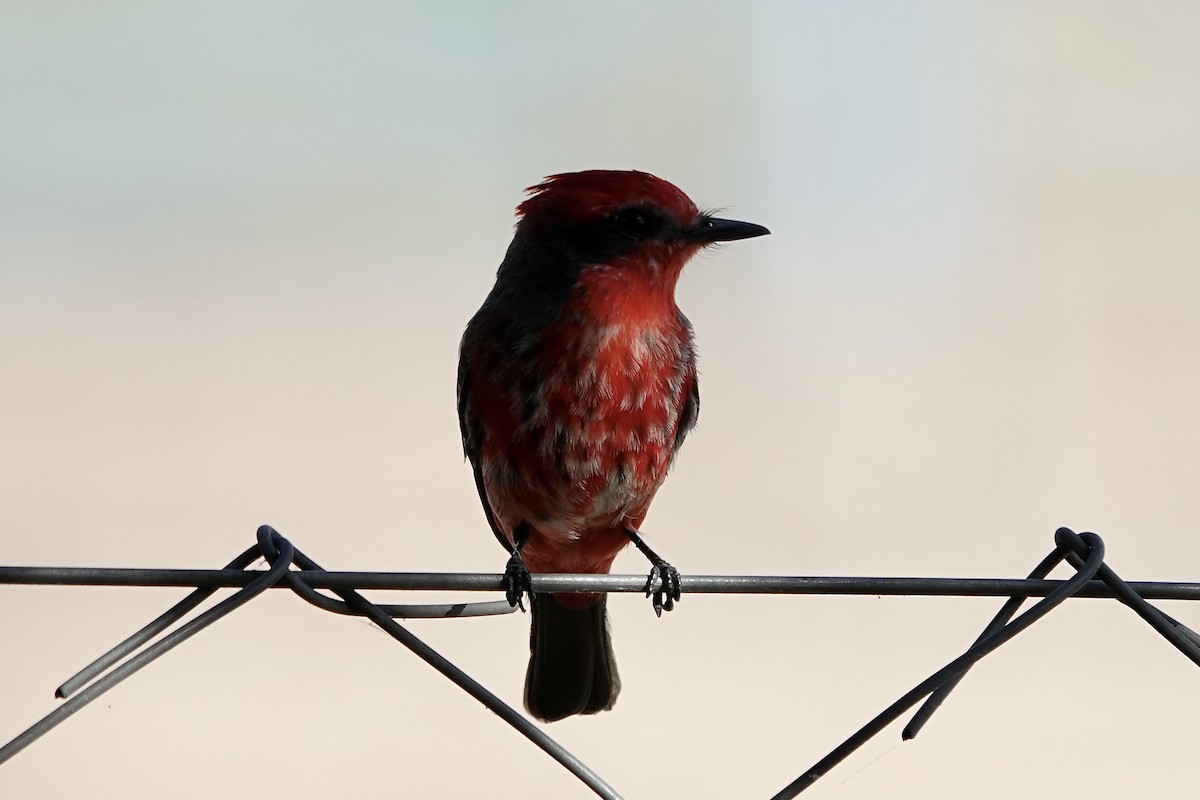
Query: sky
x,y
238,246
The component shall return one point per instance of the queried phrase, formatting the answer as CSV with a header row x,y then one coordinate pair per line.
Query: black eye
x,y
637,221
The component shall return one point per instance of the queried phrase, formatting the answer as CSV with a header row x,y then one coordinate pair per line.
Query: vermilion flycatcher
x,y
576,387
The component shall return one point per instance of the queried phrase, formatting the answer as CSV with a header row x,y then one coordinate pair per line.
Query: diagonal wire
x,y
1095,560
1001,619
1184,638
120,673
160,624
1074,550
281,555
269,539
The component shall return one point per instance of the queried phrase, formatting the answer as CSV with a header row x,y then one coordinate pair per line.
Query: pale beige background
x,y
238,243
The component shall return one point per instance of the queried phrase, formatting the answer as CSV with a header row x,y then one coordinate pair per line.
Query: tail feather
x,y
572,669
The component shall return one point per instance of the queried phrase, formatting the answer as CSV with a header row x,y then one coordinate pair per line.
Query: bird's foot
x,y
517,582
667,590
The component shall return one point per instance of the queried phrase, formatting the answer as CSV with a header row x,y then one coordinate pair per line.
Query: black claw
x,y
662,573
517,582
668,590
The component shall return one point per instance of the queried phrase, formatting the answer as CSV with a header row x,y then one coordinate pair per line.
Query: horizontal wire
x,y
570,583
1084,552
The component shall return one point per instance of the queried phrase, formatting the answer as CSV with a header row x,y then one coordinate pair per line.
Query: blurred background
x,y
239,242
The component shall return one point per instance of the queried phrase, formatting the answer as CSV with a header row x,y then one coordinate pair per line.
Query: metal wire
x,y
567,583
1084,552
273,546
956,668
143,658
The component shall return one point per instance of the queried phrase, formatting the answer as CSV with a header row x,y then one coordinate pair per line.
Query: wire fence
x,y
291,569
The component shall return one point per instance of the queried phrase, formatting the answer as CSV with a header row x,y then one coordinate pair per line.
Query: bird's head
x,y
610,230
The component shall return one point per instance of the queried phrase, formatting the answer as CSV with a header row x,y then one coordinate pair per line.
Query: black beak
x,y
712,229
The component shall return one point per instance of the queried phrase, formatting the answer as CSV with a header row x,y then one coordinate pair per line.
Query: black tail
x,y
571,664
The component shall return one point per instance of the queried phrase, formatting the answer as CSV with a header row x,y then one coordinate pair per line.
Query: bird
x,y
577,385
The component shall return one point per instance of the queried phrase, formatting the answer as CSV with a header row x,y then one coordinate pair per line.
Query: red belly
x,y
585,452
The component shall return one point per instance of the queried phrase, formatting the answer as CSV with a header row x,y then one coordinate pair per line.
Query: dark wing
x,y
690,411
470,427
